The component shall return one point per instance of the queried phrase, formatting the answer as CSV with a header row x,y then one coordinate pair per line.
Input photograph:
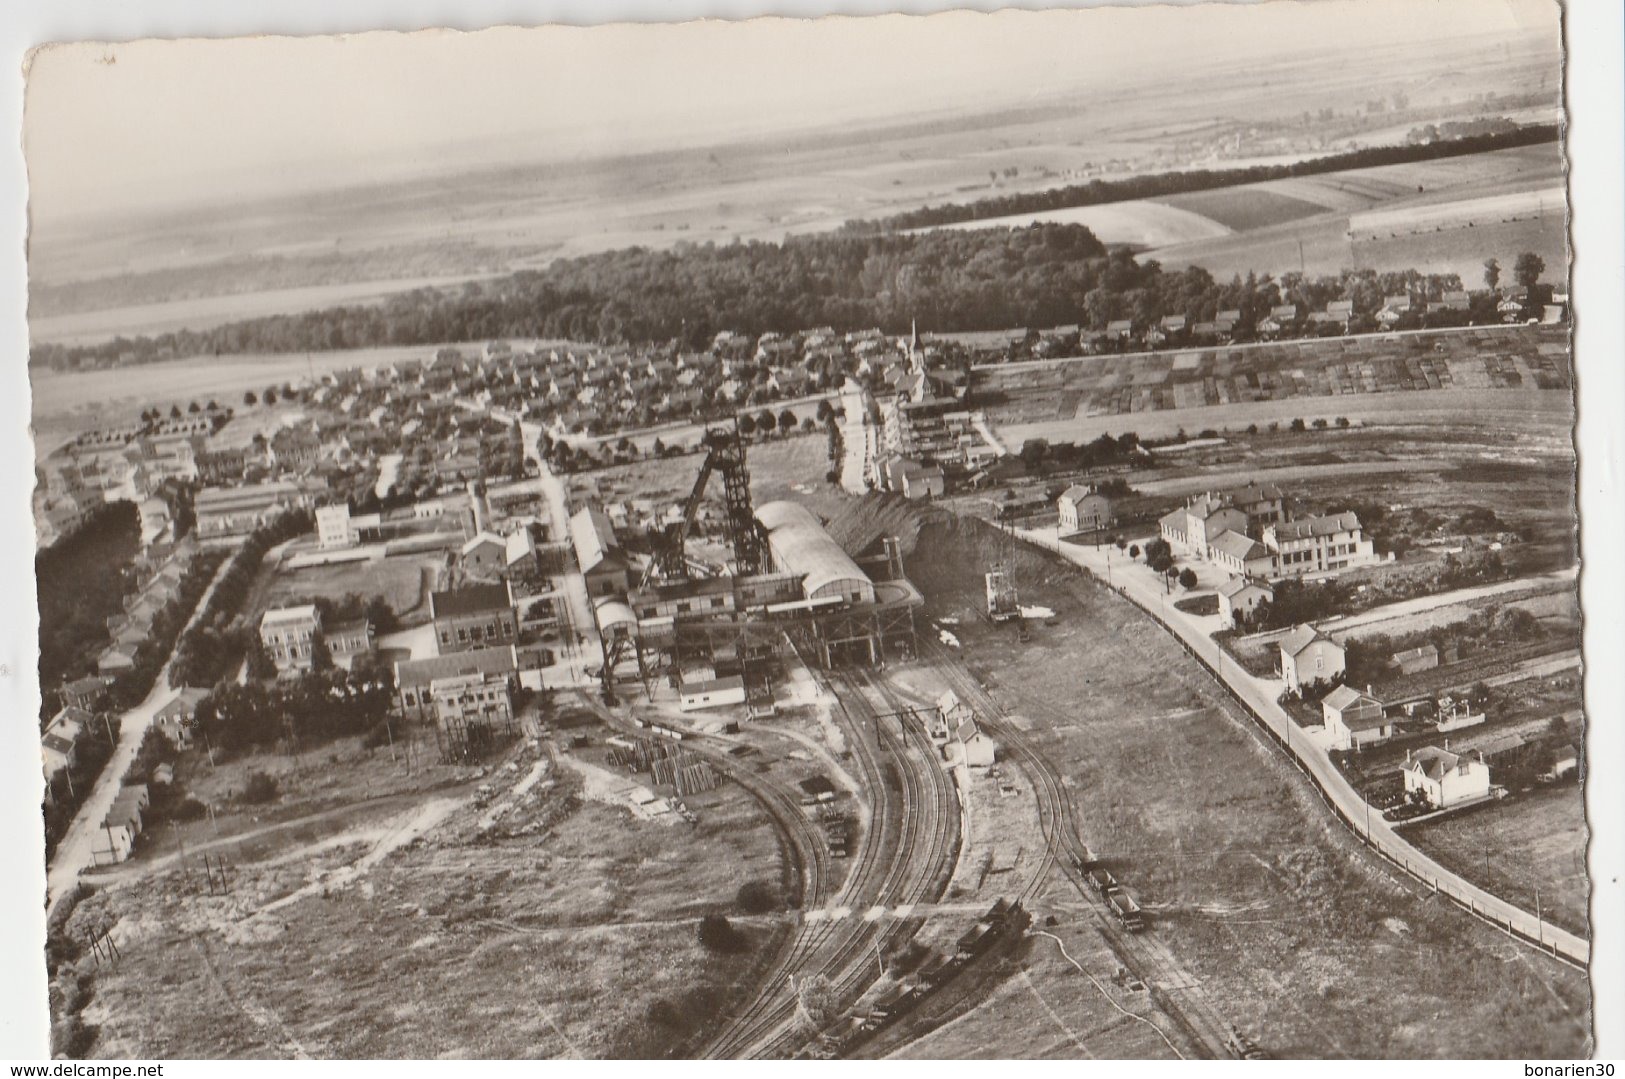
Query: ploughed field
x,y
1504,368
1292,932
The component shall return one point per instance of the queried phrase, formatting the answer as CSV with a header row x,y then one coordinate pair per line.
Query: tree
x,y
194,407
766,422
826,411
809,426
657,449
1033,452
1159,555
1134,551
758,897
1296,426
270,395
1528,268
321,656
787,422
1187,579
174,412
719,935
747,425
1492,274
250,399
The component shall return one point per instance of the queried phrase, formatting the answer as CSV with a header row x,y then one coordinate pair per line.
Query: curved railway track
x,y
911,842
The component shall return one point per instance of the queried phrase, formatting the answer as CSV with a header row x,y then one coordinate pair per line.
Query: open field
x,y
1533,840
496,211
1288,927
404,582
543,924
1438,216
90,327
1141,224
776,467
1488,373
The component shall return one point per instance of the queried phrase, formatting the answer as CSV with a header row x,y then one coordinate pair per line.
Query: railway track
x,y
1145,956
905,857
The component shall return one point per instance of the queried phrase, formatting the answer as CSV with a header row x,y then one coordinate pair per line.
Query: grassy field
x,y
1271,907
558,927
403,581
1511,848
777,467
1143,224
1241,209
1422,408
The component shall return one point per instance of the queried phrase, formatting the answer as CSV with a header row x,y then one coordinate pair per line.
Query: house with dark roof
x,y
1241,555
1415,660
476,616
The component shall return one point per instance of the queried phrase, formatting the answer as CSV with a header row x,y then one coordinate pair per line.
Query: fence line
x,y
1419,872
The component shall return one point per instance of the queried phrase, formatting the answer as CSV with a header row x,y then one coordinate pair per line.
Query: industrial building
x,y
790,588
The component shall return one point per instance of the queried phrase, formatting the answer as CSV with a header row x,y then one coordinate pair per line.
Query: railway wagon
x,y
1101,879
1127,910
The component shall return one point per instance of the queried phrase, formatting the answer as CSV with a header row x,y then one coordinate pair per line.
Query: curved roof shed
x,y
801,546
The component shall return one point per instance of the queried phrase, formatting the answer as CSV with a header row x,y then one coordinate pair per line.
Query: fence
x,y
1419,868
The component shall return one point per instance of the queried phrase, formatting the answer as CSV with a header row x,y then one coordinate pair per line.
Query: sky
x,y
114,128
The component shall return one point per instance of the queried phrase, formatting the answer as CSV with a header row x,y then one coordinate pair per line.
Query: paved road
x,y
1145,588
575,655
74,853
857,441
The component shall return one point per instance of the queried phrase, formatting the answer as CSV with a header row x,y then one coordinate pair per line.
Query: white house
x,y
1084,509
1445,778
1239,599
971,746
1354,719
1309,656
288,634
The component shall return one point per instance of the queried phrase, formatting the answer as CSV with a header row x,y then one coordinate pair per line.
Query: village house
x,y
473,617
235,511
349,641
1354,719
1239,599
289,636
1084,509
1241,555
1196,524
414,679
177,718
484,556
1309,656
1444,779
1319,545
480,697
89,692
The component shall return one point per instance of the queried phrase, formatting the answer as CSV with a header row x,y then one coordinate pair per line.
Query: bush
x,y
758,897
718,934
187,809
259,789
1187,579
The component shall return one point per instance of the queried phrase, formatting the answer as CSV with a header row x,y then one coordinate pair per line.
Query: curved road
x,y
1137,583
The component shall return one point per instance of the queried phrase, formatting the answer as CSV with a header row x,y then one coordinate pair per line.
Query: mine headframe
x,y
724,453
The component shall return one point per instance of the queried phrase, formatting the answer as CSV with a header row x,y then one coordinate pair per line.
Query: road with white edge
x,y
1146,589
577,655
